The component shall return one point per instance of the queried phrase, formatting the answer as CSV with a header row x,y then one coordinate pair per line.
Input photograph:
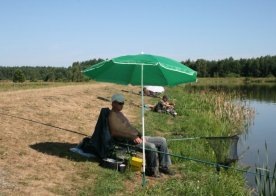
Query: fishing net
x,y
225,149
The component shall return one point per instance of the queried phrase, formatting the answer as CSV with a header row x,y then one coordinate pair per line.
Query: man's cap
x,y
118,97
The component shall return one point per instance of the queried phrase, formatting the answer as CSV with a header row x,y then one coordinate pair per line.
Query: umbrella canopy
x,y
158,71
141,69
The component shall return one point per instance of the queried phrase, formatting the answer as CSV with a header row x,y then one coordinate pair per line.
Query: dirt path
x,y
34,157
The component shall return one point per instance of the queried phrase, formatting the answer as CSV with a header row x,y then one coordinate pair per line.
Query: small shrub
x,y
18,76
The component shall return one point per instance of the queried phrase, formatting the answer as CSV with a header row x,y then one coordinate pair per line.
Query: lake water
x,y
261,132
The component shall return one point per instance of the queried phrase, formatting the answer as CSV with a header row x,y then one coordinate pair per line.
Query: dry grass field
x,y
37,129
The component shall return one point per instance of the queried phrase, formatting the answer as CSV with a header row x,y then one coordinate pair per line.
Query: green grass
x,y
200,114
107,183
236,81
205,183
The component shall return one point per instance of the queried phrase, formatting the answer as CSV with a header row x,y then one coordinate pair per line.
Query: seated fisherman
x,y
121,129
165,106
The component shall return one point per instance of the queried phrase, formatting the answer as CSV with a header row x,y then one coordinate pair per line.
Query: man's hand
x,y
138,140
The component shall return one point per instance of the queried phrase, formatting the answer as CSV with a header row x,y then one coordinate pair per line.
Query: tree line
x,y
253,67
47,74
264,66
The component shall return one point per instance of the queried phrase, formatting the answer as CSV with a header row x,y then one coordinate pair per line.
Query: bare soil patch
x,y
34,158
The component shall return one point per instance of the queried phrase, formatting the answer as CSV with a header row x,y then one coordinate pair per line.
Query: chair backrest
x,y
101,140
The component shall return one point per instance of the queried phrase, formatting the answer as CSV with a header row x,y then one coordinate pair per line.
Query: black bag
x,y
159,107
86,145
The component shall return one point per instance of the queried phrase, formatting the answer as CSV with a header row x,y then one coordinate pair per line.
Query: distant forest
x,y
229,67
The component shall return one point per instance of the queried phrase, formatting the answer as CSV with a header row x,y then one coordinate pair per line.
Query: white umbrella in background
x,y
155,89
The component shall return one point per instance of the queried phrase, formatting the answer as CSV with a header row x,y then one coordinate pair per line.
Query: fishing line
x,y
195,138
174,155
45,124
217,165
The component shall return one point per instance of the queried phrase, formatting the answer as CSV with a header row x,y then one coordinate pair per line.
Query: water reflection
x,y
259,92
261,132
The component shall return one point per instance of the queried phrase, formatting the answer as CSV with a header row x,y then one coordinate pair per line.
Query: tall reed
x,y
231,108
265,182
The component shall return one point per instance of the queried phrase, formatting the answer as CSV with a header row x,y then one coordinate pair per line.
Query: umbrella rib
x,y
176,70
162,72
133,63
95,67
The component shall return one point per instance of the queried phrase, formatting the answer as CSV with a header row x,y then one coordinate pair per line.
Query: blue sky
x,y
60,32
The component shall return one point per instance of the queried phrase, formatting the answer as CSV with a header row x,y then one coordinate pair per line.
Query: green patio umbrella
x,y
141,69
157,71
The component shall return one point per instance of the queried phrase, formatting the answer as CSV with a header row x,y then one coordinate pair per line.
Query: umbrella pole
x,y
143,126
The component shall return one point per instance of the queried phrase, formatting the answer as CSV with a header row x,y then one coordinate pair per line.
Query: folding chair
x,y
102,145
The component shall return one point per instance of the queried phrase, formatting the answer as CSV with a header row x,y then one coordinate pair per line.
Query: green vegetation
x,y
49,74
265,178
103,187
213,110
235,81
264,66
18,76
254,67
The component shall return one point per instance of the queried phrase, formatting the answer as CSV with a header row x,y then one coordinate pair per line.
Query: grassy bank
x,y
200,114
236,81
11,86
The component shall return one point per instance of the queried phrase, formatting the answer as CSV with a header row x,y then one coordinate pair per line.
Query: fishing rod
x,y
217,165
182,139
45,124
195,138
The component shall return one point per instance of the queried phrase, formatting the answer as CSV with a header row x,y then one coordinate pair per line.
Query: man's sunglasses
x,y
120,103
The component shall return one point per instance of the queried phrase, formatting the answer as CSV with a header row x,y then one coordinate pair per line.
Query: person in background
x,y
164,106
153,91
149,93
121,130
